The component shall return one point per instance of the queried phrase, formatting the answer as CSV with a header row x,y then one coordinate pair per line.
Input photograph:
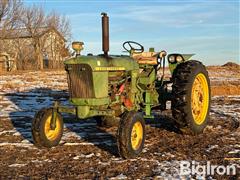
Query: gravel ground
x,y
89,152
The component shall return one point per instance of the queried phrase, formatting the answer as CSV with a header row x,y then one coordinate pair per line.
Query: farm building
x,y
45,48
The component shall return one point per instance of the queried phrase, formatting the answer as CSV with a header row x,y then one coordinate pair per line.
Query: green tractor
x,y
125,89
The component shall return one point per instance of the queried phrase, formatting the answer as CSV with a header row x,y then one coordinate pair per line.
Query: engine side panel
x,y
100,81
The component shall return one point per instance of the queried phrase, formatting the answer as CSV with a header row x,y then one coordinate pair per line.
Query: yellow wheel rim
x,y
200,99
137,135
52,134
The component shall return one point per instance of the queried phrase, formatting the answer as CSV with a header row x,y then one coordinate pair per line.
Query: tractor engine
x,y
119,90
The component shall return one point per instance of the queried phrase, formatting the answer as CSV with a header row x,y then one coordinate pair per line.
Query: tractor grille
x,y
80,81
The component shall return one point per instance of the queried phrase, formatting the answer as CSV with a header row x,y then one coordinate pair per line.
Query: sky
x,y
207,28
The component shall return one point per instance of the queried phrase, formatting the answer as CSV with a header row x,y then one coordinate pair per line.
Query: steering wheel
x,y
129,47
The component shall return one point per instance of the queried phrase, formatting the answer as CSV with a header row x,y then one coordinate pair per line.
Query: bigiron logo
x,y
195,168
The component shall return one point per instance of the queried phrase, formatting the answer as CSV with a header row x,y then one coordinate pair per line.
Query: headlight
x,y
179,58
175,58
171,59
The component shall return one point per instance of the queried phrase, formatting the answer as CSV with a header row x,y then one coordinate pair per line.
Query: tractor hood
x,y
100,63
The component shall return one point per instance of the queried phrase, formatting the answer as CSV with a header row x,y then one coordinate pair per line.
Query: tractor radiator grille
x,y
80,81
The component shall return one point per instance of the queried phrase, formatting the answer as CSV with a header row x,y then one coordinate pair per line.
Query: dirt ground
x,y
89,152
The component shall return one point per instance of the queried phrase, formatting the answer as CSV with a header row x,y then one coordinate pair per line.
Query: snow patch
x,y
236,151
8,132
17,165
120,176
22,145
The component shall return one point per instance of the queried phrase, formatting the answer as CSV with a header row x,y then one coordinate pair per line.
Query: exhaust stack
x,y
105,34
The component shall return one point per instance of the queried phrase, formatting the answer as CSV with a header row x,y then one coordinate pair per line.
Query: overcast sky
x,y
210,29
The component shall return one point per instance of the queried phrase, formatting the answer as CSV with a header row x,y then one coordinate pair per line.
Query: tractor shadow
x,y
164,121
24,105
89,132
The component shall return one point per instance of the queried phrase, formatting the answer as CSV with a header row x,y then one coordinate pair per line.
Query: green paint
x,y
90,102
172,67
148,104
151,49
187,56
85,112
54,115
70,110
99,61
147,78
134,75
100,81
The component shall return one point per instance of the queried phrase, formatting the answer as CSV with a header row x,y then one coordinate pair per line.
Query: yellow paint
x,y
110,68
200,99
136,135
98,63
52,134
146,58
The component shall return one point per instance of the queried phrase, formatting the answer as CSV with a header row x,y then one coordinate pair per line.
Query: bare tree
x,y
31,28
3,9
33,20
10,11
61,23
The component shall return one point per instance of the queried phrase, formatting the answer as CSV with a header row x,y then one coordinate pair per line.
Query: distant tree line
x,y
17,20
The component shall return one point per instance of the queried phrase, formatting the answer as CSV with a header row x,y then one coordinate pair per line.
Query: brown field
x,y
89,152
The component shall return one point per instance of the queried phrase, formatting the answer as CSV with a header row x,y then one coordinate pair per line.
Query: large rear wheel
x,y
191,96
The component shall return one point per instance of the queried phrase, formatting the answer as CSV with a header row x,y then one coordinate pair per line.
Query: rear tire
x,y
131,135
43,136
191,96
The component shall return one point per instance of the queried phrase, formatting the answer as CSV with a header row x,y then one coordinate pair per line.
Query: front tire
x,y
131,135
43,135
191,96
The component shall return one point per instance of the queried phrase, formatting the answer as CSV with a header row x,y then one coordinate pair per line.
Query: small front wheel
x,y
131,134
43,135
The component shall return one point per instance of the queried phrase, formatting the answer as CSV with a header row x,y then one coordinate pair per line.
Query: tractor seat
x,y
145,58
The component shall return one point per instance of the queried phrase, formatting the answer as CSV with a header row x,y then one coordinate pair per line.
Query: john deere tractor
x,y
127,88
